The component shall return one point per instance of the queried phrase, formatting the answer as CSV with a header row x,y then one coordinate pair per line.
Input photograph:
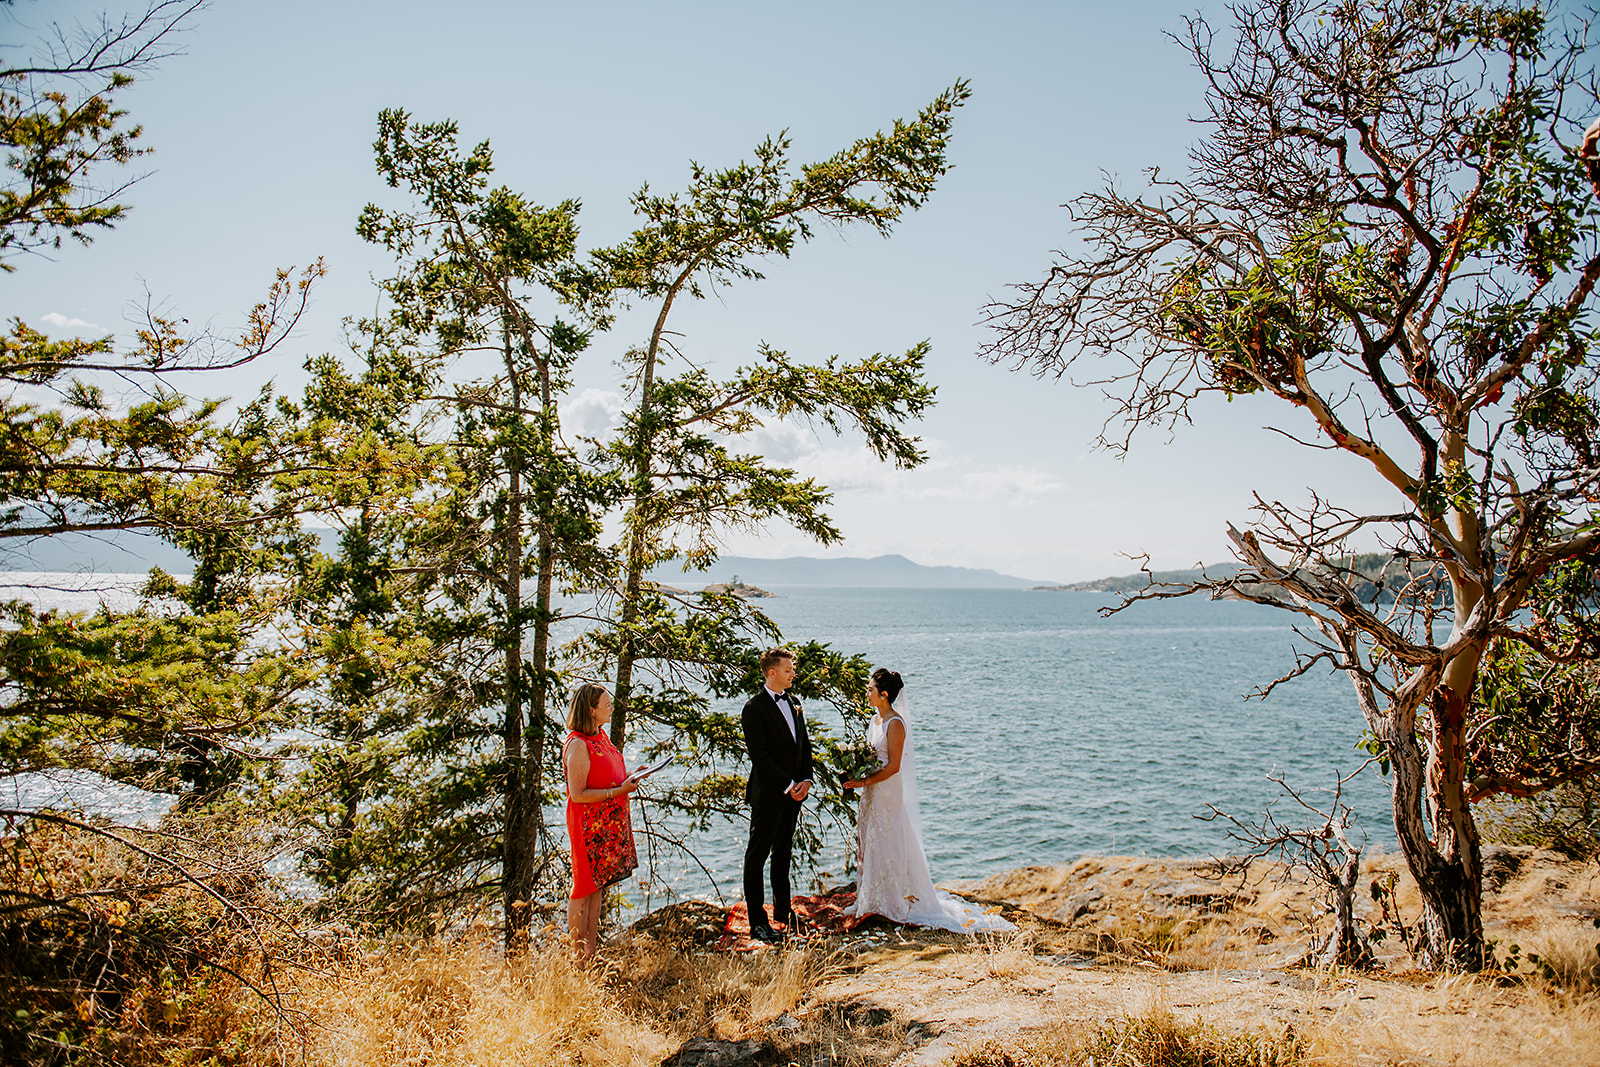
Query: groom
x,y
780,777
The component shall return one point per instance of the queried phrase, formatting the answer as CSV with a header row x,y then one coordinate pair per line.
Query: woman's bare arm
x,y
575,758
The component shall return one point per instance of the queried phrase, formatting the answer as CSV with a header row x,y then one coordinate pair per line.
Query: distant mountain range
x,y
880,572
134,553
1371,576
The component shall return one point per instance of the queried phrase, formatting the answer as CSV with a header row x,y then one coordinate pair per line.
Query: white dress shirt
x,y
782,700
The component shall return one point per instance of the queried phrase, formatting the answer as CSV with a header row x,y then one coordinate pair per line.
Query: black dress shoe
x,y
765,934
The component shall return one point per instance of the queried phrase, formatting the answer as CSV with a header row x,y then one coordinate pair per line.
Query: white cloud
x,y
1015,486
62,324
942,512
592,413
785,441
842,464
848,470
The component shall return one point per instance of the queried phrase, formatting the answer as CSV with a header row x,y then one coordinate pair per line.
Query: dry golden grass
x,y
1322,1019
1007,957
769,996
1129,922
460,1003
1185,987
1473,1021
1153,1038
1149,956
1272,916
1560,960
1141,978
691,992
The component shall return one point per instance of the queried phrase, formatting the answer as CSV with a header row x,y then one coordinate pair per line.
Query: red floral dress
x,y
602,832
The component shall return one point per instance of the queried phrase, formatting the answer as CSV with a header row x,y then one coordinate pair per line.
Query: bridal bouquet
x,y
857,760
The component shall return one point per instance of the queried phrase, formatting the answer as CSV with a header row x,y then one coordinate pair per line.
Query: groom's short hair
x,y
770,658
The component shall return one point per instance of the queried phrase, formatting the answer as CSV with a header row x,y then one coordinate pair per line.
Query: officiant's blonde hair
x,y
585,700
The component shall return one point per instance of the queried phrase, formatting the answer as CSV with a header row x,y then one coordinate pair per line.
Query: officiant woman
x,y
599,824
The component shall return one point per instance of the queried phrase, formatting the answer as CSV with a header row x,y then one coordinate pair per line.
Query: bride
x,y
894,881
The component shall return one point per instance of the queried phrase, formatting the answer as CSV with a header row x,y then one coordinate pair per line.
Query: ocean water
x,y
1044,730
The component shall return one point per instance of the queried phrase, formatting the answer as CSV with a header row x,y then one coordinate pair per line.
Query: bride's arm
x,y
897,744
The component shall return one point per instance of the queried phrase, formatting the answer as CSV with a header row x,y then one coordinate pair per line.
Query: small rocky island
x,y
1131,583
739,589
735,587
1372,577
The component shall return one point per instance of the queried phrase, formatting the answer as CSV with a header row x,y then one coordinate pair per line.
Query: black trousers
x,y
772,822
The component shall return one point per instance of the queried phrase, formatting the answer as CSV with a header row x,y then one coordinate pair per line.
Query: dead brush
x,y
1260,908
856,1035
1209,942
135,945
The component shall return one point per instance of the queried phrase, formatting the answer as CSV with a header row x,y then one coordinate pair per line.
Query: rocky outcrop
x,y
1078,904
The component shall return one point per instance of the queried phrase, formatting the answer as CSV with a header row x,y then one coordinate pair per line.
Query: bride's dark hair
x,y
888,683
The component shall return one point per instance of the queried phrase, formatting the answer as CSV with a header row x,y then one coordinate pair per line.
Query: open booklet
x,y
645,772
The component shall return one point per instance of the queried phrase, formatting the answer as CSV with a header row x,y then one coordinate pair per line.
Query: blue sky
x,y
263,132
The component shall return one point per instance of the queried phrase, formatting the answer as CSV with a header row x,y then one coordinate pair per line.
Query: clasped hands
x,y
799,790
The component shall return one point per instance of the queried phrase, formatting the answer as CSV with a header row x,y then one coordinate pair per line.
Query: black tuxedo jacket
x,y
776,758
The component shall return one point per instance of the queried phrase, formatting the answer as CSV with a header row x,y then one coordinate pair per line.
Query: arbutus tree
x,y
1389,227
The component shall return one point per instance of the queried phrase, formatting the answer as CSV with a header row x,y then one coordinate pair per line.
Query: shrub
x,y
1565,820
128,944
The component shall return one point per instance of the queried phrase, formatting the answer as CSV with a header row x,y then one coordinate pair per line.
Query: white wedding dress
x,y
894,881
